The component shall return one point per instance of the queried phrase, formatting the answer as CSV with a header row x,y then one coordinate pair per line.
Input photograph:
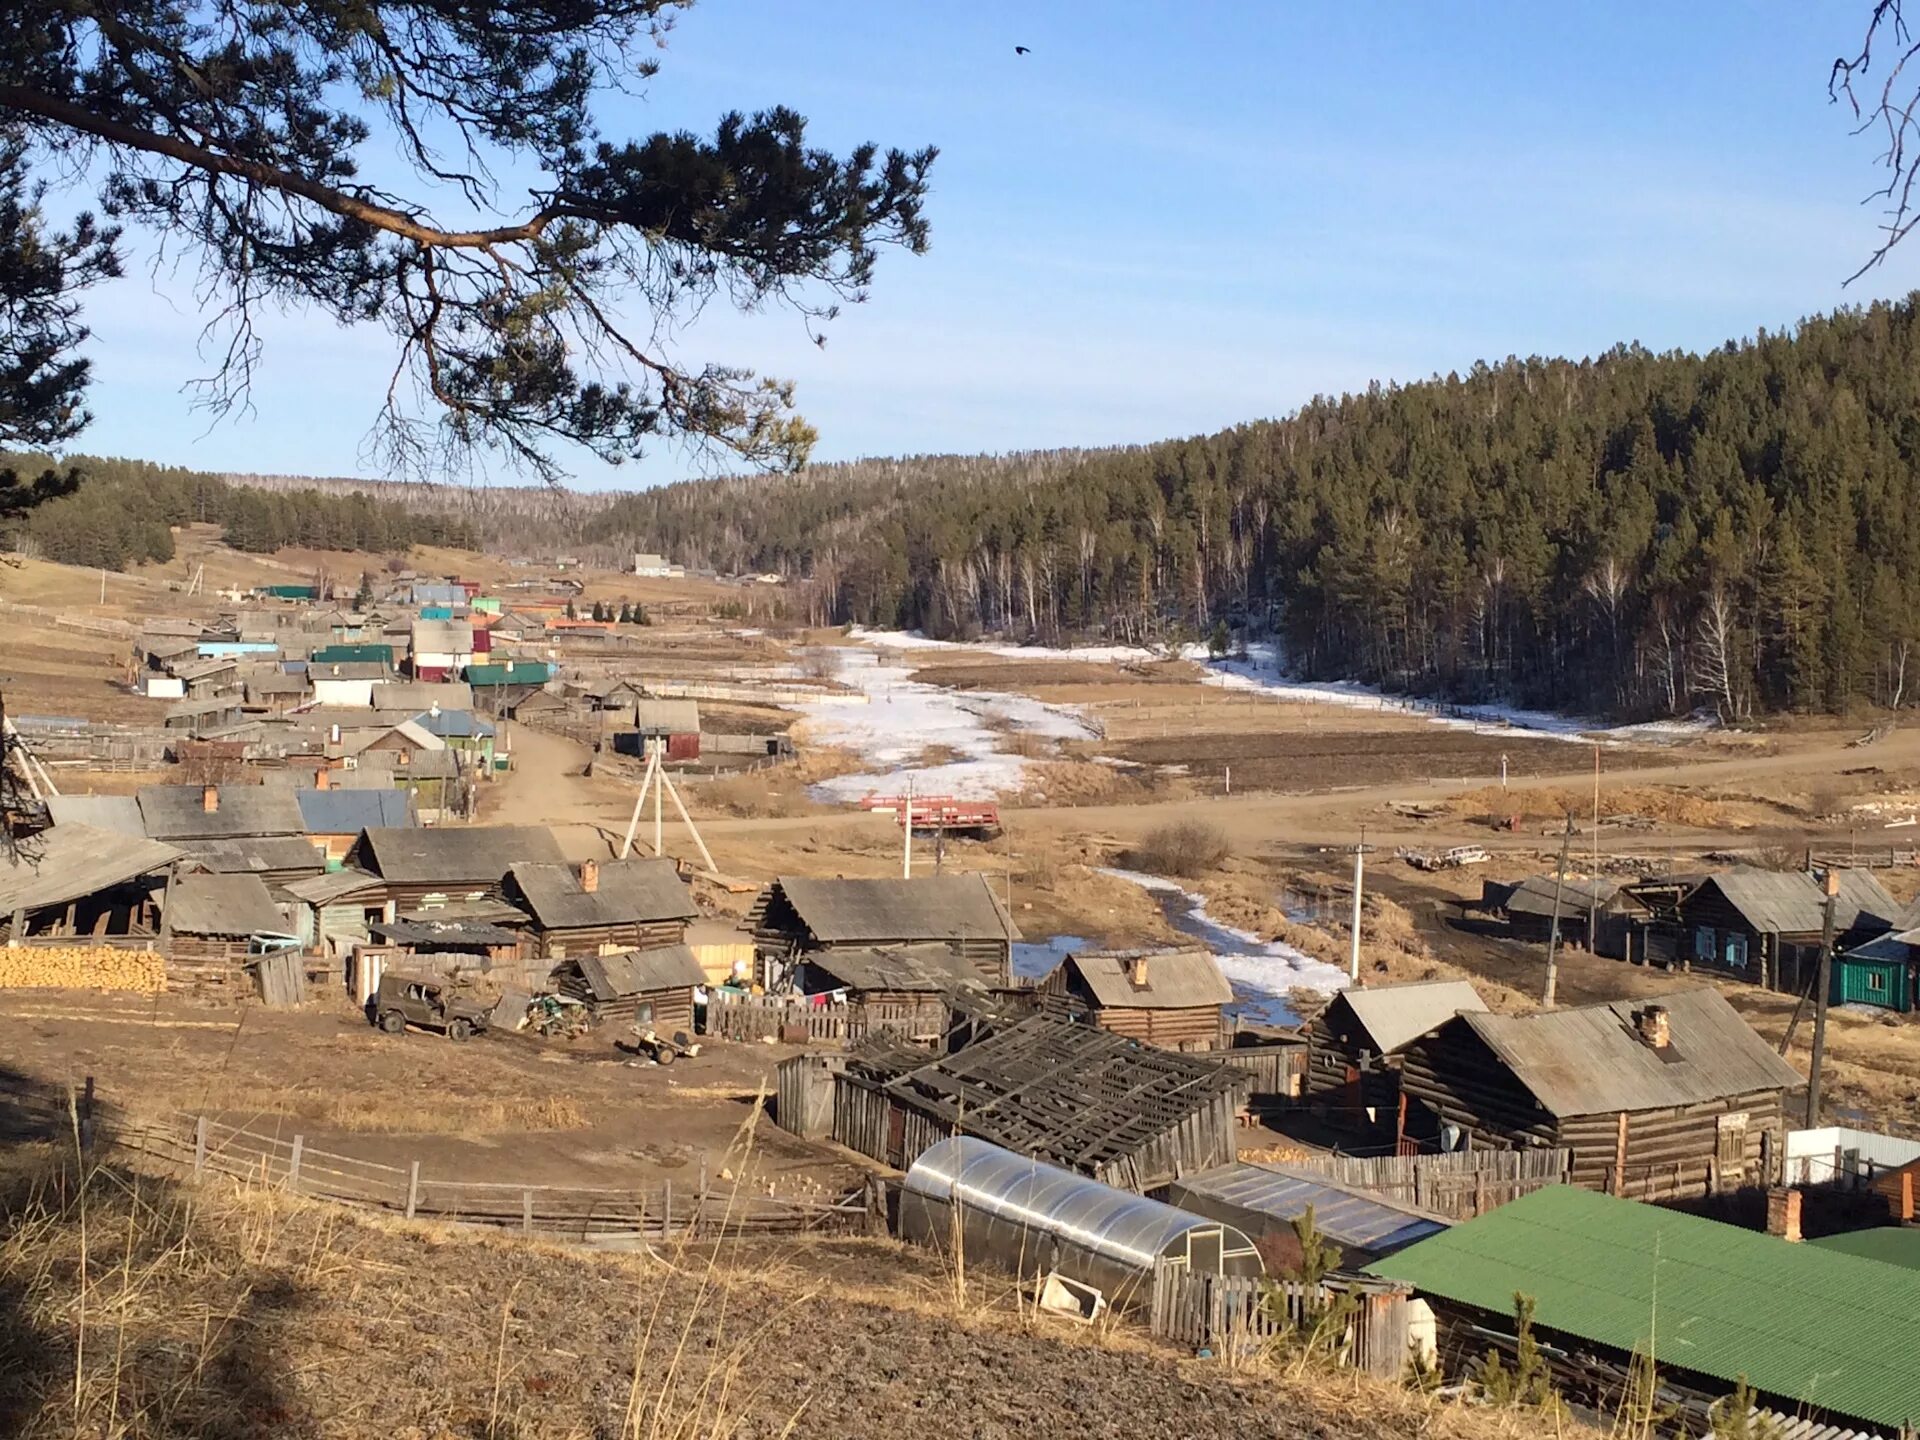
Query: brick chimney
x,y
210,798
1137,972
323,778
589,876
1783,1213
1654,1026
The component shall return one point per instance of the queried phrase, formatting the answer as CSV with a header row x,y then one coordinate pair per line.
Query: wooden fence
x,y
1240,1315
1458,1186
610,1217
749,1019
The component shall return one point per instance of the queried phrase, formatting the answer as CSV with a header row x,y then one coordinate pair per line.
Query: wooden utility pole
x,y
1359,878
1822,979
1553,935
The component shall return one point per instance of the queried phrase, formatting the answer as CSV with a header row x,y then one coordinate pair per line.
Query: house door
x,y
1730,1152
1354,1114
896,1135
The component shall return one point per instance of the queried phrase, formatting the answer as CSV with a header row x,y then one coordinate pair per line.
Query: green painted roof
x,y
524,672
1890,1245
348,654
1802,1323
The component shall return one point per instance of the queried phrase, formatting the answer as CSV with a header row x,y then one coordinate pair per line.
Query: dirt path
x,y
547,786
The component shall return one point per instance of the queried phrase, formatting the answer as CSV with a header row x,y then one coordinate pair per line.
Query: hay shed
x,y
1030,1218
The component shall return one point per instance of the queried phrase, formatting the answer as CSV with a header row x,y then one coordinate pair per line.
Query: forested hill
x,y
1635,534
122,511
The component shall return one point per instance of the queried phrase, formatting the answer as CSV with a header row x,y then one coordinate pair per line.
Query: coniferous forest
x,y
1637,534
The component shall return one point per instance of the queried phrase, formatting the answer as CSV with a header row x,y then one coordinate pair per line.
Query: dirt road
x,y
547,786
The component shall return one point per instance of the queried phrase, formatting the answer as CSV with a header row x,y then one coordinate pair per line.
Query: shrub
x,y
1189,849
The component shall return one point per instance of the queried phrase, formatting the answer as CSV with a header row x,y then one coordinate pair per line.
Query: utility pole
x,y
1822,978
1359,878
1553,935
1593,875
906,833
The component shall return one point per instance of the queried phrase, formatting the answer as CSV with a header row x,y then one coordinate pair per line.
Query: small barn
x,y
602,904
798,915
1766,925
213,919
1529,907
1169,998
1085,1099
1666,1099
422,868
1354,1046
651,988
674,723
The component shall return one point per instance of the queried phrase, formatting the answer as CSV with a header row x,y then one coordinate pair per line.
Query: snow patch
x,y
1037,959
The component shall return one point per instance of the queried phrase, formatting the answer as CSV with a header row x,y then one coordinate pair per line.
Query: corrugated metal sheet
x,y
71,861
934,907
1888,1244
1802,1324
1395,1015
1590,1061
1176,979
1353,1218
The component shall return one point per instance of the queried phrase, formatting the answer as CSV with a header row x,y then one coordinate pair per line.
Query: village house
x,y
213,920
218,812
334,817
279,860
536,705
276,692
1354,1047
1883,972
423,868
1766,925
656,567
673,724
76,880
440,649
648,989
353,684
205,717
359,652
797,916
904,989
461,731
1583,903
1168,998
1663,1099
418,697
598,905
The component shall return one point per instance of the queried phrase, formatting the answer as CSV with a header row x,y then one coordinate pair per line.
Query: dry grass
x,y
1656,802
376,1114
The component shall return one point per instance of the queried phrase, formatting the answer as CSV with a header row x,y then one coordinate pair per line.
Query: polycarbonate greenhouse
x,y
1022,1215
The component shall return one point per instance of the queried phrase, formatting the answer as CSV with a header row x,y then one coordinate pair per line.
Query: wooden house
x,y
276,692
208,678
1529,907
798,915
1168,998
424,868
205,716
602,904
1766,925
536,705
212,920
218,812
1673,1097
440,649
1883,972
1355,1043
279,860
900,988
650,988
1130,1115
76,880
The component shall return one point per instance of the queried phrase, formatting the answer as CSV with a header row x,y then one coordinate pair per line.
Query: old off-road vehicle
x,y
405,1000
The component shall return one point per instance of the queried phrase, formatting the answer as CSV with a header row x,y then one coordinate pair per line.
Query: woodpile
x,y
81,967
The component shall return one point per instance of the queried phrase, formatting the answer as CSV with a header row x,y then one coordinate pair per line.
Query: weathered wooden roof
x,y
334,885
934,907
1791,902
1176,979
926,968
256,854
178,812
225,905
1535,895
71,861
633,972
443,932
456,854
117,813
1393,1016
1591,1061
442,637
627,891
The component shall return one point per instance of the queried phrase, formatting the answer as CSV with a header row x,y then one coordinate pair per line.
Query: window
x,y
643,1013
1877,982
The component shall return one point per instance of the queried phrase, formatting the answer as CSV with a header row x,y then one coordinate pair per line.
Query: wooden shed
x,y
1130,1115
1529,907
602,904
651,988
424,867
1169,998
212,919
1883,972
1354,1046
904,989
76,880
798,915
1670,1098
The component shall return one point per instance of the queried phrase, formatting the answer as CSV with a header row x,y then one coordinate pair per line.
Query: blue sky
x,y
1171,218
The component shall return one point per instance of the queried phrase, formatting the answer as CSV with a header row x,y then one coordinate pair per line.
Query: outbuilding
x,y
651,988
1355,1042
799,915
1169,998
421,868
212,920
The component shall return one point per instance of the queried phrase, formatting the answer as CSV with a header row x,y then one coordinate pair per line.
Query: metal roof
x,y
1534,895
632,972
1803,1324
667,717
1889,1244
1353,1218
454,724
1035,1200
228,905
1176,979
413,696
626,891
1793,903
1591,1061
934,907
926,968
1394,1016
442,637
70,861
119,814
1898,946
178,812
348,812
479,854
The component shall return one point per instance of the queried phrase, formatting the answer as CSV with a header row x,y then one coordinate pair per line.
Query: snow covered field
x,y
904,718
1263,973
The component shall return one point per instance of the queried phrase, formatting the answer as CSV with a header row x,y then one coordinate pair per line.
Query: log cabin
x,y
211,920
799,915
598,905
1354,1046
651,989
1766,925
421,868
218,812
1667,1098
1168,998
903,989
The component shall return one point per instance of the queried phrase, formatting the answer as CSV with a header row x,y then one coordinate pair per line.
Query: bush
x,y
1189,849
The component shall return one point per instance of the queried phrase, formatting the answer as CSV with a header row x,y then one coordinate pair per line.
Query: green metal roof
x,y
348,654
524,672
1802,1323
1890,1245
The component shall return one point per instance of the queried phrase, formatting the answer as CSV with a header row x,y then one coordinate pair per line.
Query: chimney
x,y
333,733
589,876
1137,972
1783,1214
1654,1026
210,798
323,779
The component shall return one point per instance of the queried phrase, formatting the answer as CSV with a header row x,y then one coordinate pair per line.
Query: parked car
x,y
405,1000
